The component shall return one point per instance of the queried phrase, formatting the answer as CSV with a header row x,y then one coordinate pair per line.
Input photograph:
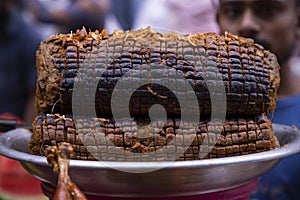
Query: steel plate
x,y
174,179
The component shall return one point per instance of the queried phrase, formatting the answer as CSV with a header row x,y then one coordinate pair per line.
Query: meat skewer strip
x,y
58,157
90,139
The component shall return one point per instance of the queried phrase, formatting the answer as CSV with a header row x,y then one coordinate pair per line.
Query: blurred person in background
x,y
193,16
163,15
18,44
154,13
125,12
187,16
275,25
122,14
64,16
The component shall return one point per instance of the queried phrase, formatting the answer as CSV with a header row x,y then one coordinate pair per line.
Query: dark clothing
x,y
83,19
125,12
79,18
18,44
283,181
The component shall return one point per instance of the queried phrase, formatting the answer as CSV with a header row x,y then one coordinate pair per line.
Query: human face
x,y
271,23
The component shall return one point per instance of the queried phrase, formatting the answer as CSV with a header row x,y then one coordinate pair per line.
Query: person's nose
x,y
249,25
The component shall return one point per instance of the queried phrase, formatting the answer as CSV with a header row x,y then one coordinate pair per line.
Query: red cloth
x,y
14,179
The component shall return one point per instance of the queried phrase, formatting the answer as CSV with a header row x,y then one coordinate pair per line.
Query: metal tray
x,y
178,178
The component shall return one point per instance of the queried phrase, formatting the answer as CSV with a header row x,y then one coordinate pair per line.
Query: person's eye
x,y
267,10
232,11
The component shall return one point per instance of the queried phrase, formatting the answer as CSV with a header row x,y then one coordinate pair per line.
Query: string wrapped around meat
x,y
250,74
58,158
139,66
103,139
